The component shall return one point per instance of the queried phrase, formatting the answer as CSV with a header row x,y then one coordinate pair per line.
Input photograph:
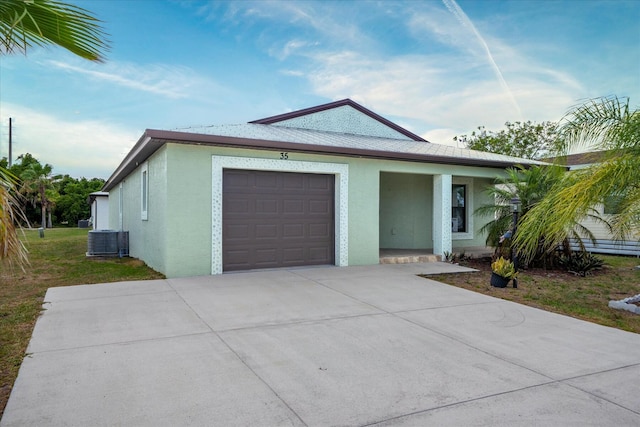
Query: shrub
x,y
581,263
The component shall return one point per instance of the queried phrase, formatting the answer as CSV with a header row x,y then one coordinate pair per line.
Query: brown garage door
x,y
276,219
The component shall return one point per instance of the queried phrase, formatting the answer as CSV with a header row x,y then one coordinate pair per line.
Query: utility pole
x,y
10,135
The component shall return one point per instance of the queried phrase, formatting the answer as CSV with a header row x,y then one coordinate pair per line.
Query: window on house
x,y
459,208
144,192
121,206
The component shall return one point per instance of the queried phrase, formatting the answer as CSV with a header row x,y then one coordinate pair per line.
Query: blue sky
x,y
438,68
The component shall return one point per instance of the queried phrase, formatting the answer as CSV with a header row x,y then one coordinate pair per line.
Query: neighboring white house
x,y
99,202
332,184
604,240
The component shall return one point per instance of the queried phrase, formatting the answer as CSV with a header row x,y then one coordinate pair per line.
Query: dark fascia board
x,y
153,139
299,113
141,151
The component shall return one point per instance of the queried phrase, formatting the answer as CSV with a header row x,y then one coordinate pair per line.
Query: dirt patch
x,y
586,298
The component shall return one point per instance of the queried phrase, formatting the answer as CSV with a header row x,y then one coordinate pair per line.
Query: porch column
x,y
441,214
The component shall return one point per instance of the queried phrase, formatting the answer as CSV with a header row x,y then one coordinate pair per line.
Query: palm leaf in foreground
x,y
12,250
25,23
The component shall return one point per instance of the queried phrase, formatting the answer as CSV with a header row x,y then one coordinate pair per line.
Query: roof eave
x,y
140,152
153,139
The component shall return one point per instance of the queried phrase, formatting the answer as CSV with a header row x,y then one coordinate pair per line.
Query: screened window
x,y
612,205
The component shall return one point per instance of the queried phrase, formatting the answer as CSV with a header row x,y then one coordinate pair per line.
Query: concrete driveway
x,y
353,346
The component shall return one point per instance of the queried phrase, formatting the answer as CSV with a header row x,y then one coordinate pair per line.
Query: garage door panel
x,y
238,206
266,206
319,183
320,231
292,231
293,207
266,231
276,219
319,253
321,207
238,232
293,255
293,181
238,259
265,181
266,255
235,179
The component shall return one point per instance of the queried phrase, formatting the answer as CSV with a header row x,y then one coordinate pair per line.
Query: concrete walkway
x,y
353,346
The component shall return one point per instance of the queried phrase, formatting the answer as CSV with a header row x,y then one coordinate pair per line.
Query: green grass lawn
x,y
58,259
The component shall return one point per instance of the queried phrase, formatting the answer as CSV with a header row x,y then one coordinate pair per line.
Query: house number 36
x,y
284,156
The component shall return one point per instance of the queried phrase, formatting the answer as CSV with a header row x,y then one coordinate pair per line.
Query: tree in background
x,y
24,23
72,203
38,186
526,140
609,124
66,197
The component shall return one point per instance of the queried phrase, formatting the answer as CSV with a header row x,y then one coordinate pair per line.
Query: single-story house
x,y
99,202
328,185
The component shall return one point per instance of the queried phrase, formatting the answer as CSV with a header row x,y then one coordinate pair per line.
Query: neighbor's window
x,y
458,208
144,191
612,205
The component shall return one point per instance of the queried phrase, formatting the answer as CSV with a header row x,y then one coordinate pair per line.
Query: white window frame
x,y
144,191
121,206
468,182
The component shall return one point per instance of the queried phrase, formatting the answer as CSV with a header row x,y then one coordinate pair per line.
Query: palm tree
x,y
530,186
23,24
608,124
37,186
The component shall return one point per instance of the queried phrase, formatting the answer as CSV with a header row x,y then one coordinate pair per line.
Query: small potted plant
x,y
502,271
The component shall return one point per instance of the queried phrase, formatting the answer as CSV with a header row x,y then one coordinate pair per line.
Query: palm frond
x,y
606,123
12,250
25,23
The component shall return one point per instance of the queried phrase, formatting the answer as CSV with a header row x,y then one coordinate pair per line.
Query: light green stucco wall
x,y
189,210
176,239
147,239
406,211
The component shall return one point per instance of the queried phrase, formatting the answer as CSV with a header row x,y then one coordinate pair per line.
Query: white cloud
x,y
435,23
445,91
291,47
77,148
174,82
315,22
